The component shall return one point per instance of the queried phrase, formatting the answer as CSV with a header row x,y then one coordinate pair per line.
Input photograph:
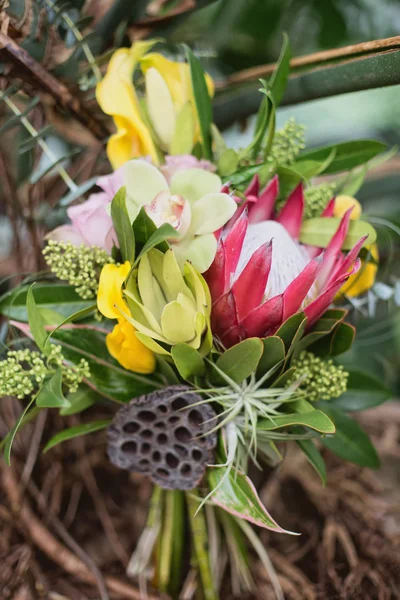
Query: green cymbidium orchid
x,y
169,306
193,204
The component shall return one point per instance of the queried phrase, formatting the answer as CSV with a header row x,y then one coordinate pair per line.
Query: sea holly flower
x,y
193,204
262,275
168,306
122,343
364,280
117,97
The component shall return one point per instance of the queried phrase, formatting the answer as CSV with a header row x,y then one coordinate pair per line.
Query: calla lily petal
x,y
109,296
124,345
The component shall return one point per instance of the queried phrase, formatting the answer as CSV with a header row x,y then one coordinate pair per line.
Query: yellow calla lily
x,y
117,97
124,346
360,282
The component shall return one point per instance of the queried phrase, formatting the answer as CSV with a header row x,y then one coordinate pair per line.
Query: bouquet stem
x,y
200,544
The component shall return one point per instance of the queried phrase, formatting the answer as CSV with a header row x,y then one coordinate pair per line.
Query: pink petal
x,y
329,208
333,249
249,288
265,319
314,310
233,244
348,260
215,276
291,215
66,233
254,187
223,314
263,209
296,292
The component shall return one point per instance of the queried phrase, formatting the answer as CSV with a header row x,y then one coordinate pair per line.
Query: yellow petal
x,y
361,282
128,350
109,295
117,97
343,203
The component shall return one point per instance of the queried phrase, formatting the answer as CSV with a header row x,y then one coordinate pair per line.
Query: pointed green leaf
x,y
278,80
55,297
350,442
342,339
81,314
24,417
289,329
79,401
238,496
122,225
36,322
241,360
315,419
363,391
143,229
73,432
347,154
314,457
274,353
51,396
166,231
228,162
188,361
318,232
202,100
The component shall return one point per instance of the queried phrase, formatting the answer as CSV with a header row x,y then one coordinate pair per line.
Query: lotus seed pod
x,y
165,436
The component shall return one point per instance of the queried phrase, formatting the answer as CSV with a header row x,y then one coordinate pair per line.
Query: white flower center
x,y
288,257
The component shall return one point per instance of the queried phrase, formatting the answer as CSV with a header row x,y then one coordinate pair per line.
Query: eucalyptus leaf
x,y
74,432
319,231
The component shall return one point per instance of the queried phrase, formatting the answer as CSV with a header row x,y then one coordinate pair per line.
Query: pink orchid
x,y
262,274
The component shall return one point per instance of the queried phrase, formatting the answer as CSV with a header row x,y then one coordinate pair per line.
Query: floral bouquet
x,y
201,297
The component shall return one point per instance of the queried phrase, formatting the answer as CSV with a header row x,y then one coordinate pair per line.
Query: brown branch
x,y
317,59
45,81
56,551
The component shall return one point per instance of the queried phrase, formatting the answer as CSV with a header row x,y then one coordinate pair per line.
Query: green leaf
x,y
237,495
36,322
342,339
107,376
122,225
22,419
350,442
50,395
202,100
55,297
314,457
182,141
143,229
315,419
241,178
166,231
228,162
188,361
292,329
363,391
318,232
279,77
81,314
241,360
347,154
265,123
274,353
77,431
79,401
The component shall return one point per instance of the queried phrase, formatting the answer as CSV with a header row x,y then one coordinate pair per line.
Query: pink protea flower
x,y
262,274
